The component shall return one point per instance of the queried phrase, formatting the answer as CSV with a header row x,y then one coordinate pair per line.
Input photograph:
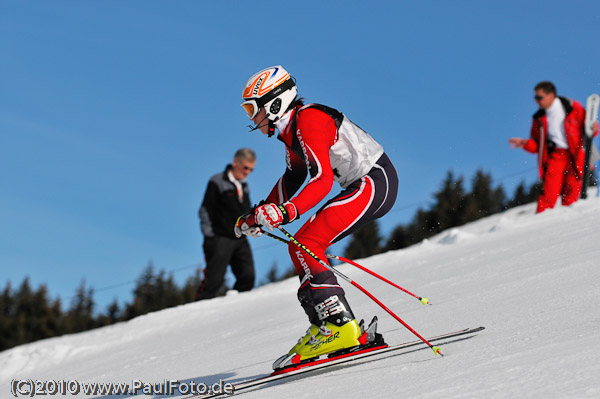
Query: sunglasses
x,y
538,98
244,167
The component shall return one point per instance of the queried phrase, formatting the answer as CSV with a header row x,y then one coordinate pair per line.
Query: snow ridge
x,y
531,280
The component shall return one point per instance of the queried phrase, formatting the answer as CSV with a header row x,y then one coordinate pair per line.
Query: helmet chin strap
x,y
270,124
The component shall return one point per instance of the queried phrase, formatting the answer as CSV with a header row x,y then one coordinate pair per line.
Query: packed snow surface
x,y
531,280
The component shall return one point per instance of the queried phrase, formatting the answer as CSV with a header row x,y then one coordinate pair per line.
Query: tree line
x,y
453,205
28,314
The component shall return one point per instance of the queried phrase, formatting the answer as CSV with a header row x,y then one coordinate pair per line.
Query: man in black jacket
x,y
226,197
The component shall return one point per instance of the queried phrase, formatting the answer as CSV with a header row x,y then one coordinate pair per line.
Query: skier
x,y
324,144
557,133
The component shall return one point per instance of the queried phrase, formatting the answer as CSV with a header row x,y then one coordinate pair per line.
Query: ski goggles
x,y
253,105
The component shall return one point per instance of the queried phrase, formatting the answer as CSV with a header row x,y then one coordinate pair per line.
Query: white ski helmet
x,y
272,88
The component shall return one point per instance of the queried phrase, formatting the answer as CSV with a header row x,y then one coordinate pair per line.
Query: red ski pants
x,y
560,179
364,200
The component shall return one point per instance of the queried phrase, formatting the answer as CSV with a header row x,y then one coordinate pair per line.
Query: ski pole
x,y
436,349
423,300
283,240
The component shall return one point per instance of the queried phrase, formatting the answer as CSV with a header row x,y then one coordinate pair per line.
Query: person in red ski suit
x,y
557,136
323,145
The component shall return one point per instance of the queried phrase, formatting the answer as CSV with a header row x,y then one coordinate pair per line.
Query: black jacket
x,y
221,206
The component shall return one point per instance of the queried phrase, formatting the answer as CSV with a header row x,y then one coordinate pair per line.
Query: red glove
x,y
271,215
246,225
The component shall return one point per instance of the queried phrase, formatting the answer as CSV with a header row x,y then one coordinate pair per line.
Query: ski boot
x,y
338,333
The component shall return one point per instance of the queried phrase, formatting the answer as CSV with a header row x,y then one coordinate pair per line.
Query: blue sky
x,y
113,115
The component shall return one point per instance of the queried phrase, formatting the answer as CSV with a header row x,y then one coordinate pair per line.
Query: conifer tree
x,y
365,242
483,200
520,197
449,208
524,195
7,318
80,316
191,285
112,315
43,323
166,294
23,313
399,238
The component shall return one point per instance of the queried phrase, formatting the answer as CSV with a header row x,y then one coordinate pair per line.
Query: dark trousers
x,y
219,252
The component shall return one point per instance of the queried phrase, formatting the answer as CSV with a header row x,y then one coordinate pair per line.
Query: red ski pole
x,y
423,300
436,349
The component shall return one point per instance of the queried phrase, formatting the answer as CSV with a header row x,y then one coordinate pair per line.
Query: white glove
x,y
271,215
245,225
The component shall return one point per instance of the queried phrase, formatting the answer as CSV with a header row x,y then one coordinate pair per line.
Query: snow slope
x,y
531,280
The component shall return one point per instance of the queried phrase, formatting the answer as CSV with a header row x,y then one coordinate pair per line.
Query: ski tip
x,y
437,350
425,301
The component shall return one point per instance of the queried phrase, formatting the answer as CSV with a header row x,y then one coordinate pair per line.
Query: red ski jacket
x,y
574,130
325,145
318,134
